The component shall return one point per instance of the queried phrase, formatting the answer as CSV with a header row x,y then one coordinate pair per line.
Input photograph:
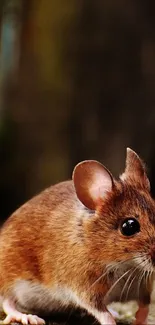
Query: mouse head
x,y
121,224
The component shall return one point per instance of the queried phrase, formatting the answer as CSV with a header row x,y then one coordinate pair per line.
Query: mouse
x,y
84,242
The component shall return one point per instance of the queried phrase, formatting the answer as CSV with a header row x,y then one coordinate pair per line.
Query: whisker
x,y
147,276
140,281
114,267
132,280
115,283
101,277
110,268
126,283
142,277
143,272
129,287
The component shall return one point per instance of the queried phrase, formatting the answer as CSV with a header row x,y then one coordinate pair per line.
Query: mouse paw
x,y
13,315
24,319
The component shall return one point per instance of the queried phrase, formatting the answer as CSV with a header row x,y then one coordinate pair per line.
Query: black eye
x,y
130,227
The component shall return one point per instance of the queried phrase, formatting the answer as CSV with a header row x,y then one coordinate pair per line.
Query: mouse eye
x,y
130,227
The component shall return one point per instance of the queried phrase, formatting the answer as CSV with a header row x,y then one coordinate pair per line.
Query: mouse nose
x,y
152,254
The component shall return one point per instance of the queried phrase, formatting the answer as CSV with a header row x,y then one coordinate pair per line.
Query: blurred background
x,y
77,81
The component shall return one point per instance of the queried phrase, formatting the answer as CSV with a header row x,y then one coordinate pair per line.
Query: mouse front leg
x,y
141,315
13,315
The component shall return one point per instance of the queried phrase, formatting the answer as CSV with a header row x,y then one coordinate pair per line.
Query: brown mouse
x,y
85,243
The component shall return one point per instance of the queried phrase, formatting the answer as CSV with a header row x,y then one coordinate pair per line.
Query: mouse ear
x,y
135,169
92,181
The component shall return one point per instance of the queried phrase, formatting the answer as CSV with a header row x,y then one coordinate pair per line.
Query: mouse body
x,y
81,243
